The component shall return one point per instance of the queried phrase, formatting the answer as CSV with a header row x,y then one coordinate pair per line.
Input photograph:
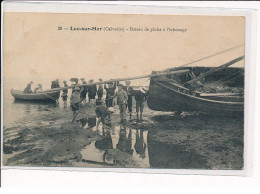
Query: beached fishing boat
x,y
219,91
45,95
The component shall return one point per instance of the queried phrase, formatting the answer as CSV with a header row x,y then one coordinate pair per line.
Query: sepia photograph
x,y
141,91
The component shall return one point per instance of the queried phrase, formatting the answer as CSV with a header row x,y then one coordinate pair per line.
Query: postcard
x,y
121,91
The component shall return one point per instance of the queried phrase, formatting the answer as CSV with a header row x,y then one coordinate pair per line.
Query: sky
x,y
35,50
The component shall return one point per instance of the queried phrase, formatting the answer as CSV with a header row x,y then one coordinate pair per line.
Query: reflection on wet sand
x,y
180,143
128,147
140,145
116,147
125,143
45,137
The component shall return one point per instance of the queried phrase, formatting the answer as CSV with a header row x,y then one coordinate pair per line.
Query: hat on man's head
x,y
82,79
111,109
76,89
72,79
100,79
90,81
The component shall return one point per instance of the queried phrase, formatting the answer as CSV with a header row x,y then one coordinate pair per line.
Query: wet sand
x,y
162,140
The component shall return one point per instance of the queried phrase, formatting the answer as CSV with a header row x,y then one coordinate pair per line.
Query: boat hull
x,y
163,97
47,95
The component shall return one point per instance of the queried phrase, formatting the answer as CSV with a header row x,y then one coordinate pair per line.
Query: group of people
x,y
28,88
123,94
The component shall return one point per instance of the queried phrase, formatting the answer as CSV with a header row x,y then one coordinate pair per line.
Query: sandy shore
x,y
186,141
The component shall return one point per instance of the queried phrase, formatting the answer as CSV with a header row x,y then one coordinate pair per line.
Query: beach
x,y
43,136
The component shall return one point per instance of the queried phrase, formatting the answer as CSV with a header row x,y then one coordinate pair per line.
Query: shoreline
x,y
177,142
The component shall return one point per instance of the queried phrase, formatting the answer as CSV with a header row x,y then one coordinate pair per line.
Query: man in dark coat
x,y
53,84
28,88
83,90
110,92
57,83
140,98
100,90
65,92
129,91
92,91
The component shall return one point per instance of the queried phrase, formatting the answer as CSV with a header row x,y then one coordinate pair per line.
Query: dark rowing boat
x,y
45,95
224,92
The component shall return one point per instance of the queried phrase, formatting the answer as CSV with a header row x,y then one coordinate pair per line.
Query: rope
x,y
54,99
228,77
144,82
218,53
234,77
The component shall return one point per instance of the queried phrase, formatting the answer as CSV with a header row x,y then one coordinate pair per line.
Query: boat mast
x,y
124,79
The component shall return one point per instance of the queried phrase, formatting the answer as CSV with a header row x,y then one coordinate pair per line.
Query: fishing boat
x,y
211,90
45,95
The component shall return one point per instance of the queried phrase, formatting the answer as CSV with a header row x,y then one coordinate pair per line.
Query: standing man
x,y
57,83
140,98
100,90
74,102
83,91
76,80
110,92
129,91
92,91
65,93
53,84
122,101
